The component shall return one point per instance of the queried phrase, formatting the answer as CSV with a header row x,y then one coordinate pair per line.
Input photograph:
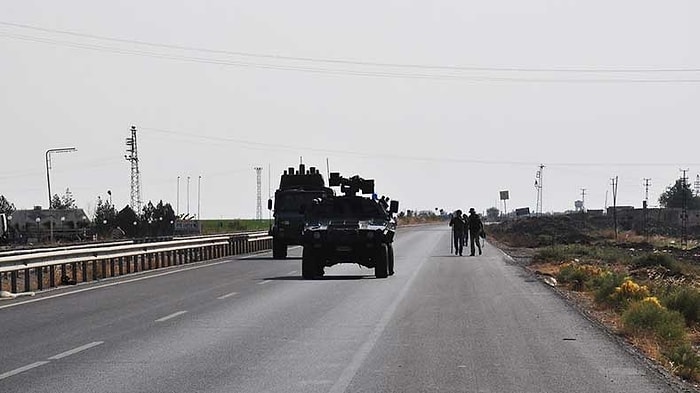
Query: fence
x,y
38,271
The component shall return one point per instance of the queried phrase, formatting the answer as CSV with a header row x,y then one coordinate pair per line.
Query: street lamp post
x,y
38,229
48,165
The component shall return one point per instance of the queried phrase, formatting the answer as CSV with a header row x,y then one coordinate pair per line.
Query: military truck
x,y
349,229
296,191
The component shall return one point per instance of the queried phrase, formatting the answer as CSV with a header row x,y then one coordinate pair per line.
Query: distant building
x,y
41,224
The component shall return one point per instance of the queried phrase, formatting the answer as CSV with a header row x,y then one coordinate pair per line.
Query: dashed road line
x,y
75,350
292,272
228,295
263,282
171,316
22,369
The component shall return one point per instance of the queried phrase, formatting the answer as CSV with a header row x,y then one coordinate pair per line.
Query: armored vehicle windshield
x,y
348,207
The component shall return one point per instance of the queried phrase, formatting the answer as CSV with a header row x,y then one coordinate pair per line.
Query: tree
x,y
65,202
5,206
675,195
492,214
105,218
128,221
159,220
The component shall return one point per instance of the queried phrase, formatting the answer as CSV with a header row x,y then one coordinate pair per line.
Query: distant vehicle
x,y
349,229
296,191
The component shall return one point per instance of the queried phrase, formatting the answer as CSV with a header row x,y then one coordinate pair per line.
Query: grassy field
x,y
233,225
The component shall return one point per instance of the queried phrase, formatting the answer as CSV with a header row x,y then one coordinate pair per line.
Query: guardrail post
x,y
40,278
111,267
84,267
13,282
121,265
27,281
52,276
143,261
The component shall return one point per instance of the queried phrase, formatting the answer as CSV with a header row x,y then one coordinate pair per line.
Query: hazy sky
x,y
443,103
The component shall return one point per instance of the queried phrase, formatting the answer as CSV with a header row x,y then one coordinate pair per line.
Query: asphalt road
x,y
443,323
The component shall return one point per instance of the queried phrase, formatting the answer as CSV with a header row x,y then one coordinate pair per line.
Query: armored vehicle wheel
x,y
309,264
279,249
381,267
390,258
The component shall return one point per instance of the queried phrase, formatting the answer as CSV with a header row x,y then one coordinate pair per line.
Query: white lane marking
x,y
263,282
203,265
292,272
171,316
227,295
22,369
76,350
349,372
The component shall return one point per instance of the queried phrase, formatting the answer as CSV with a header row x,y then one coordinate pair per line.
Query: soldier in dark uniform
x,y
458,229
475,226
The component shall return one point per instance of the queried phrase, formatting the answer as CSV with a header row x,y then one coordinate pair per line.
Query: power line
x,y
366,72
384,156
344,61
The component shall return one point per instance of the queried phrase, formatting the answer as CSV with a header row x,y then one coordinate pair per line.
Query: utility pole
x,y
133,157
538,186
614,192
188,195
258,208
684,213
199,195
583,199
177,214
645,206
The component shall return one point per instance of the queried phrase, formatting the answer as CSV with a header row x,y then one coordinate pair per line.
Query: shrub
x,y
686,362
630,290
648,316
578,275
605,286
685,300
657,259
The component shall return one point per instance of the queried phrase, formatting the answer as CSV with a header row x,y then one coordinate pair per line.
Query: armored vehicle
x,y
349,228
296,191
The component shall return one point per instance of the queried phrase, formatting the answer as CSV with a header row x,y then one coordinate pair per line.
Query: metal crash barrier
x,y
41,270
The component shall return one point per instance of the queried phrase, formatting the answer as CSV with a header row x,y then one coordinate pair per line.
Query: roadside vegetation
x,y
210,227
645,289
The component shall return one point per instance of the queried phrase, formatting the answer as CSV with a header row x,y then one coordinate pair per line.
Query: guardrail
x,y
38,271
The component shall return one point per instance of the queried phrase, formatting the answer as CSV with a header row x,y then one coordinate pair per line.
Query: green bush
x,y
646,316
686,362
604,287
685,300
652,260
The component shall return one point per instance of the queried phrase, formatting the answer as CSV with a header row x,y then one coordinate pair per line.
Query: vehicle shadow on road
x,y
324,278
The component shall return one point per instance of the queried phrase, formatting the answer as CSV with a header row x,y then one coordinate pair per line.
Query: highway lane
x,y
442,323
